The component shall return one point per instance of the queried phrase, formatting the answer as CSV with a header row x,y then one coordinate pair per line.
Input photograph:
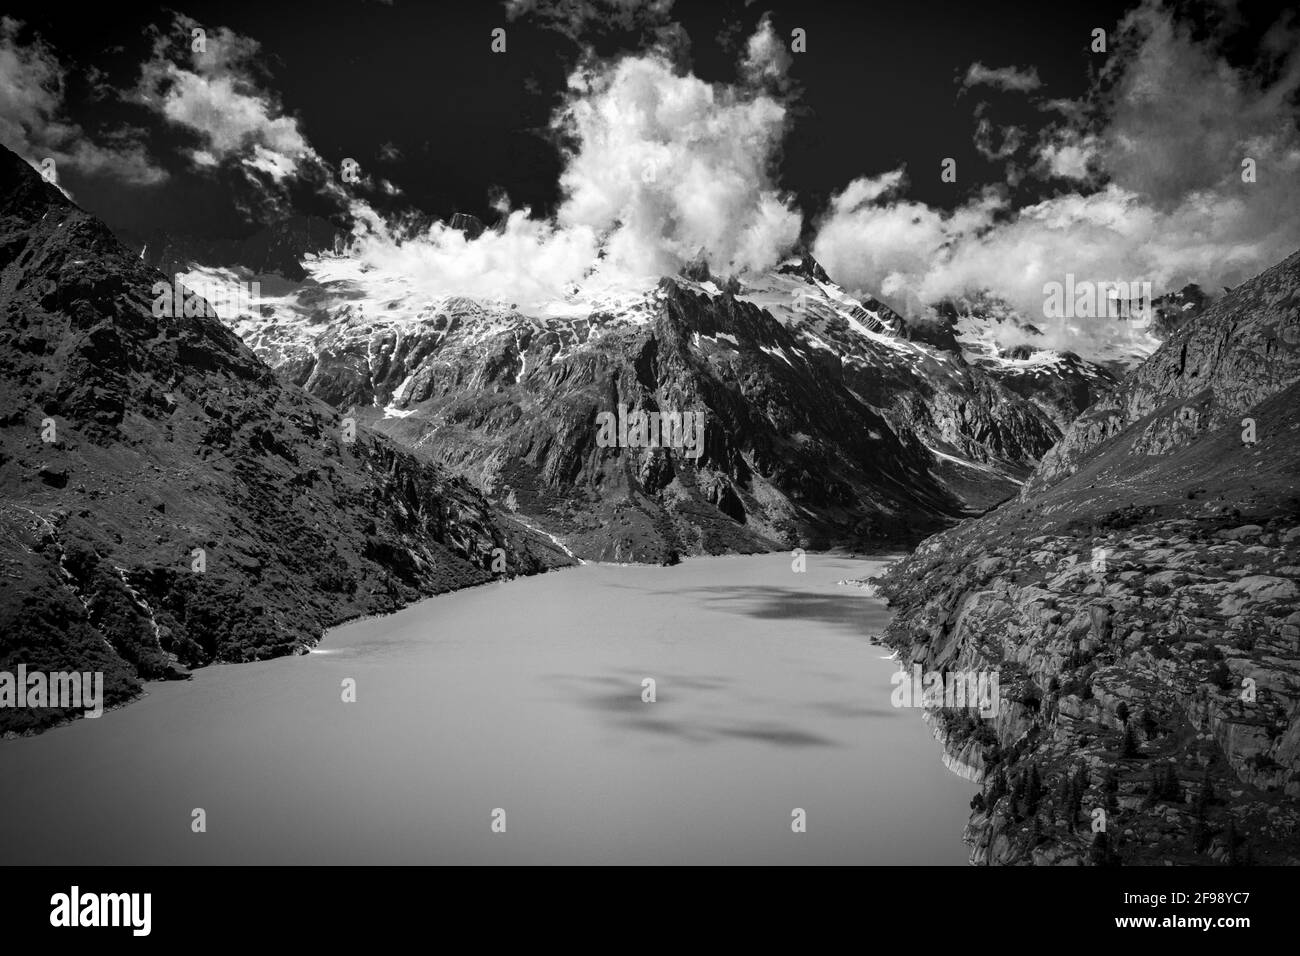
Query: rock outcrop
x,y
825,424
1140,602
166,501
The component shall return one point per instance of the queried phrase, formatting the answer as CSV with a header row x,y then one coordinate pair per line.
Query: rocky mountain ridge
x,y
1140,601
166,501
827,423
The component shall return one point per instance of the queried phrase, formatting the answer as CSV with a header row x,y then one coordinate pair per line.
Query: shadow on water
x,y
840,610
616,698
851,711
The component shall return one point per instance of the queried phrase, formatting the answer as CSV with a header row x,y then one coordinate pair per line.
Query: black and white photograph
x,y
681,433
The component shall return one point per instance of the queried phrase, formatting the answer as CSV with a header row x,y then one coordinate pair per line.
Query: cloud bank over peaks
x,y
524,261
659,166
665,165
1144,182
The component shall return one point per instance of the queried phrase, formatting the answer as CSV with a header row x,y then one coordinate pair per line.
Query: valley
x,y
1108,544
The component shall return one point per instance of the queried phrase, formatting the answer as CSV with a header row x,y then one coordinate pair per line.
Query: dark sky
x,y
877,88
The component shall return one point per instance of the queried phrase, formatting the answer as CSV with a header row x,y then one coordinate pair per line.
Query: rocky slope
x,y
1141,604
166,501
1061,384
826,423
990,335
1209,373
1174,309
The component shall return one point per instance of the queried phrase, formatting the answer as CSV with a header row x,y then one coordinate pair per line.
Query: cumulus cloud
x,y
211,84
872,239
666,165
525,261
659,166
1069,154
1002,78
1182,118
766,59
1157,190
34,122
214,92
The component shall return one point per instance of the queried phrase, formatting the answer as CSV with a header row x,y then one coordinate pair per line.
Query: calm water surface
x,y
526,696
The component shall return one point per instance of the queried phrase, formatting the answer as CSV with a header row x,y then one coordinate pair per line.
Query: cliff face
x,y
824,423
1141,604
166,501
1207,375
1060,383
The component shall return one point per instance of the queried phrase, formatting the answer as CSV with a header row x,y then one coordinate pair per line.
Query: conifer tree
x,y
1128,748
1036,831
1111,788
1033,789
1149,724
1201,833
1099,854
1153,788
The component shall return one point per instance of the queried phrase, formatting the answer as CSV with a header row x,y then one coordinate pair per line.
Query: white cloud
x,y
1069,155
665,165
214,92
1159,192
766,58
527,261
1181,118
34,123
231,123
866,190
217,93
1002,78
874,241
659,167
1012,139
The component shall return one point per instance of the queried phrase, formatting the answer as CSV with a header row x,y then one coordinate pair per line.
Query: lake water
x,y
523,696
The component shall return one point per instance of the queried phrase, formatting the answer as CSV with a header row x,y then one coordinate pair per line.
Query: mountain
x,y
1212,370
984,327
1172,310
1140,601
825,422
166,501
277,249
1060,383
